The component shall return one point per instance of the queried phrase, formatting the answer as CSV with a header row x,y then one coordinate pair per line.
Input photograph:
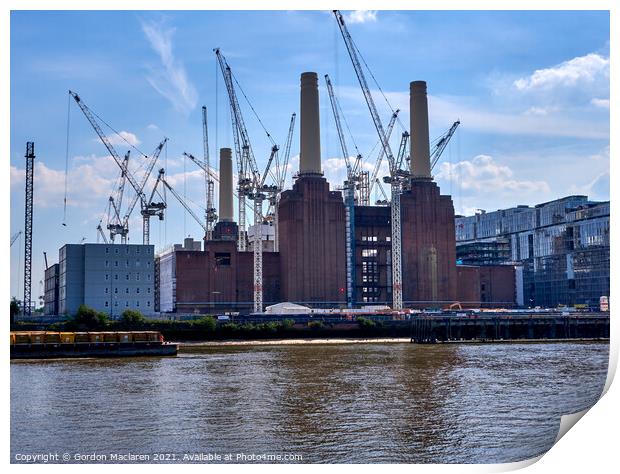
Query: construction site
x,y
268,248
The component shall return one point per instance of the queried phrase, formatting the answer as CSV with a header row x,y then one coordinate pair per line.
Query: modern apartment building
x,y
563,246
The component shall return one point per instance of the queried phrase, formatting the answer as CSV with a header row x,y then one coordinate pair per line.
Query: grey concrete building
x,y
107,277
50,297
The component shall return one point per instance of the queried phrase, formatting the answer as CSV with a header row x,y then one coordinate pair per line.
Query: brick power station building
x,y
309,266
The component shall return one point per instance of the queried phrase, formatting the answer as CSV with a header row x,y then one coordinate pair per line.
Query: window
x,y
148,263
127,250
116,303
106,290
137,263
107,277
138,250
127,276
116,276
137,290
127,290
126,304
369,252
222,259
127,263
137,303
148,290
107,250
148,303
116,251
106,303
115,290
116,263
107,263
148,277
137,277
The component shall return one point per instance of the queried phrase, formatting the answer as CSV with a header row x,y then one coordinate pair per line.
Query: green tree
x,y
14,308
89,317
132,317
206,323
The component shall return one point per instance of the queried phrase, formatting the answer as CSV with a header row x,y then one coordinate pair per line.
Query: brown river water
x,y
311,403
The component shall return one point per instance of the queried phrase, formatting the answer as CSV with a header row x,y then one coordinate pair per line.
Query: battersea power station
x,y
304,257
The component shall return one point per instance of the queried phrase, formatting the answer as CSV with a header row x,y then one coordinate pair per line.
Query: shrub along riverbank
x,y
207,328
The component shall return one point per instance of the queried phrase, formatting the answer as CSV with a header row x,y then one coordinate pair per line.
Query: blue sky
x,y
530,88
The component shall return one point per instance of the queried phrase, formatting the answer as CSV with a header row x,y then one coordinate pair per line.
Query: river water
x,y
387,402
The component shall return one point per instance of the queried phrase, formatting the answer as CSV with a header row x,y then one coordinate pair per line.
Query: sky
x,y
531,90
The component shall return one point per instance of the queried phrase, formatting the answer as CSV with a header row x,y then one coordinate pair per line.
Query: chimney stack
x,y
310,154
420,148
226,185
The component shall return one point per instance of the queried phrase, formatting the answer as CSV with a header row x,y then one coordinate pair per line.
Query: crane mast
x,y
28,228
349,198
210,212
251,184
395,181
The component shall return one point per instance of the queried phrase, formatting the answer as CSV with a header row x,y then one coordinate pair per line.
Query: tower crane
x,y
251,183
281,171
375,170
148,208
395,178
161,179
442,143
115,225
210,212
349,198
203,166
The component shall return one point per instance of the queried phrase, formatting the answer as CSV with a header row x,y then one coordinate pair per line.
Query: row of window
x,y
116,250
128,277
138,263
148,290
107,304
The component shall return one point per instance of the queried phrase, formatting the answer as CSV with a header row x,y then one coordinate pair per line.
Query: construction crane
x,y
148,209
442,143
396,178
210,212
349,196
162,179
281,172
15,236
251,184
115,224
28,227
375,171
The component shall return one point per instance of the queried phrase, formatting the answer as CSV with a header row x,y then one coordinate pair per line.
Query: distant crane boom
x,y
442,143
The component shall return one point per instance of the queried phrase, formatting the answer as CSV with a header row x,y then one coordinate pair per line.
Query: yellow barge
x,y
48,344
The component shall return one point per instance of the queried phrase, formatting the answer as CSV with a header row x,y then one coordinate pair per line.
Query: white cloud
x,y
582,69
361,16
171,81
484,175
88,184
123,138
602,103
152,126
444,110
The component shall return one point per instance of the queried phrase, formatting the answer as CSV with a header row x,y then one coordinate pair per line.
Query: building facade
x,y
562,245
50,301
107,277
